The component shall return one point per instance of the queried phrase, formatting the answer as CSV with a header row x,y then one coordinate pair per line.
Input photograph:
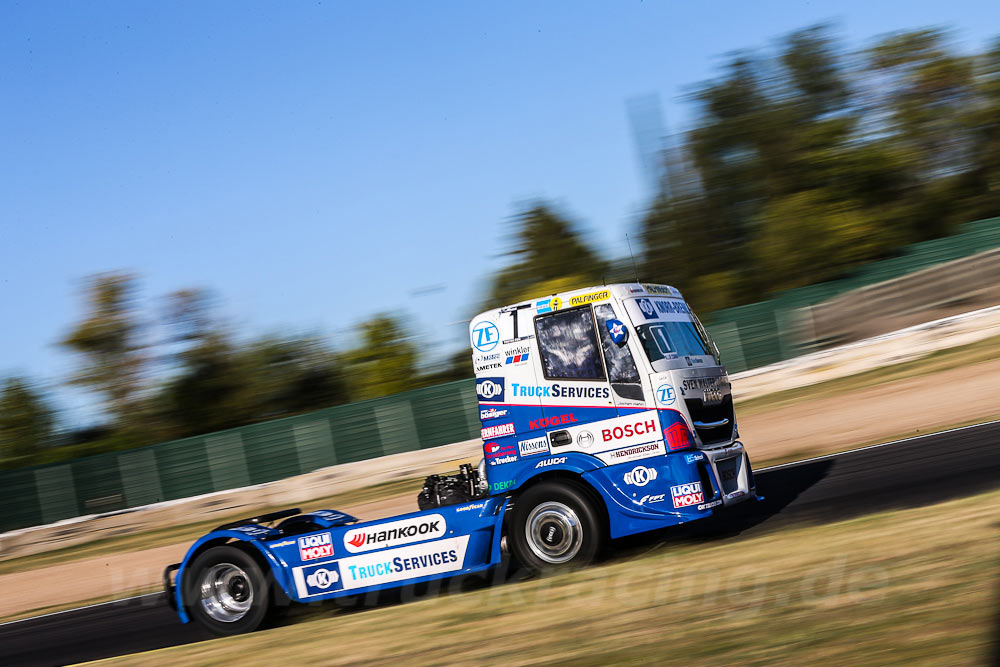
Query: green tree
x,y
546,249
810,237
385,362
26,421
924,91
218,383
981,186
108,340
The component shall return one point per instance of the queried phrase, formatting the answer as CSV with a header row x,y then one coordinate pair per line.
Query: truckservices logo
x,y
394,533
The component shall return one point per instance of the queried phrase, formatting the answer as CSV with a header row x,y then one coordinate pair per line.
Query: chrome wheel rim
x,y
226,593
553,532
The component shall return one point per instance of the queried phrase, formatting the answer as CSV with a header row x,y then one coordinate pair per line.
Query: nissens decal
x,y
392,533
533,446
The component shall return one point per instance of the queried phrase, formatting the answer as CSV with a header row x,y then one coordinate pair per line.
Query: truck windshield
x,y
669,340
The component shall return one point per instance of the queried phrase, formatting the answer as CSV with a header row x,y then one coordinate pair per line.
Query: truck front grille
x,y
708,414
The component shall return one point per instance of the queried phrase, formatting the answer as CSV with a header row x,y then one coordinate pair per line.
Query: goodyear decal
x,y
593,297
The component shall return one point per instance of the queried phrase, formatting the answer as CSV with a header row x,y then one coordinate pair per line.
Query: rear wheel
x,y
226,592
555,526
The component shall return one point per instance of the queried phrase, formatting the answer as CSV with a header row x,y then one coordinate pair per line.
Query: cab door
x,y
630,389
576,388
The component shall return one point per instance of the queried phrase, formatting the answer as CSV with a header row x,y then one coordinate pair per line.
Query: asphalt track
x,y
907,473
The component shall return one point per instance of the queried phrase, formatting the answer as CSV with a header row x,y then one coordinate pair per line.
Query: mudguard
x,y
656,492
509,477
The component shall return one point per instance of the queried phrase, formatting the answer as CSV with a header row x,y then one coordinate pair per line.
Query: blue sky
x,y
315,163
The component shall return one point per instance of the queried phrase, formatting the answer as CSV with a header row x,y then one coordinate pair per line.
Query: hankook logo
x,y
395,533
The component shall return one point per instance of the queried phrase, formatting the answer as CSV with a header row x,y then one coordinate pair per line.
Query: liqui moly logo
x,y
685,495
312,547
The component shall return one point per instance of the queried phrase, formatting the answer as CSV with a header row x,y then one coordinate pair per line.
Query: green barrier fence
x,y
230,459
748,336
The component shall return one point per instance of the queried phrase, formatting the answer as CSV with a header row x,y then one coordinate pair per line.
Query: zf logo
x,y
490,389
646,306
640,476
665,394
485,336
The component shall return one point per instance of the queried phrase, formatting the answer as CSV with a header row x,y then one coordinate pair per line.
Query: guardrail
x,y
240,457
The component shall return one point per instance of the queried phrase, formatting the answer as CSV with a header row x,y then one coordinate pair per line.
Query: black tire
x,y
555,526
226,592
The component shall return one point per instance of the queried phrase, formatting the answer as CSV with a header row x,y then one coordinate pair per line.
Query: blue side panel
x,y
509,476
468,542
341,559
510,425
653,493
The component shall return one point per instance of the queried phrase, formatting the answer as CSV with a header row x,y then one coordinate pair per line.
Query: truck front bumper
x,y
730,466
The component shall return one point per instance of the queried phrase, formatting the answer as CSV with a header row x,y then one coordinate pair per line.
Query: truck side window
x,y
568,344
623,373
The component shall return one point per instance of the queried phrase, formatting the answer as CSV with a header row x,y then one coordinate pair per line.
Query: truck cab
x,y
620,385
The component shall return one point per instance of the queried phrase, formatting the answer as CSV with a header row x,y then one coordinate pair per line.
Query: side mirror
x,y
618,332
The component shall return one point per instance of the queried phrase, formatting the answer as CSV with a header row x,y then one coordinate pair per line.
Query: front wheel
x,y
555,526
226,592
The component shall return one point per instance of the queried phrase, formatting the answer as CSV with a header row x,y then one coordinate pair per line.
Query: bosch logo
x,y
665,394
585,439
630,430
640,476
489,389
323,578
485,336
312,547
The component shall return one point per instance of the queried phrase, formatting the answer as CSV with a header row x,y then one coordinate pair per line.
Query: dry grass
x,y
914,586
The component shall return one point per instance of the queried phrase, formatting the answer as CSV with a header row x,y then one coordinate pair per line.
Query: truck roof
x,y
584,295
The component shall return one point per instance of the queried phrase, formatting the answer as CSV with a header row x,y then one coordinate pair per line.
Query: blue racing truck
x,y
605,412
